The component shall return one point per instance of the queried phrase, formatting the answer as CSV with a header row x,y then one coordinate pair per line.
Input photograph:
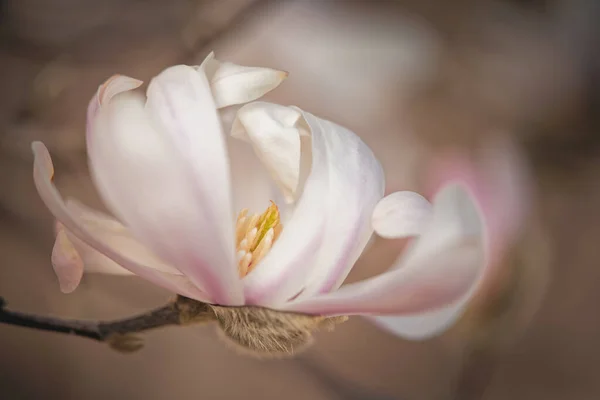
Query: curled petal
x,y
414,288
162,169
331,222
498,176
252,186
272,130
441,270
499,180
42,175
356,184
235,84
401,214
115,85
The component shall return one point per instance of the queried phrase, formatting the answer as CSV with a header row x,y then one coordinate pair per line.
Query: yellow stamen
x,y
263,247
255,235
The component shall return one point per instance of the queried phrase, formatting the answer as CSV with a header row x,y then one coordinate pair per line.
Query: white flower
x,y
165,170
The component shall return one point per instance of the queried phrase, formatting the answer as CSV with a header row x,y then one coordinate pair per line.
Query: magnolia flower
x,y
171,178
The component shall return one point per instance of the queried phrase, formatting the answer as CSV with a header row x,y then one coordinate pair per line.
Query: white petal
x,y
113,86
252,185
331,222
162,169
401,214
235,84
42,174
418,287
442,269
356,184
272,131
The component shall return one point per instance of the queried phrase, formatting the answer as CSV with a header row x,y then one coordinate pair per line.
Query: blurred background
x,y
413,79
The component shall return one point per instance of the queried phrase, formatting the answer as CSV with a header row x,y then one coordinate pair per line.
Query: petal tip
x,y
39,149
67,262
42,161
401,214
36,144
114,85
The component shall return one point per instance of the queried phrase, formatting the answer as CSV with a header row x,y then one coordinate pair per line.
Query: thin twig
x,y
182,311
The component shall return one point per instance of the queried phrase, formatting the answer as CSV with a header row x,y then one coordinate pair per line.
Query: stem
x,y
87,329
182,311
163,316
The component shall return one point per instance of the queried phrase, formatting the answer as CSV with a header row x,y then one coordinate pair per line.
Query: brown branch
x,y
119,334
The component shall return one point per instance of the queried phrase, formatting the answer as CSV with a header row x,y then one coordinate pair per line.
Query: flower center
x,y
255,235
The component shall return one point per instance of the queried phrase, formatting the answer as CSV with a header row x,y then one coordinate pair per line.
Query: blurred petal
x,y
401,214
235,84
42,175
331,222
441,269
498,177
162,169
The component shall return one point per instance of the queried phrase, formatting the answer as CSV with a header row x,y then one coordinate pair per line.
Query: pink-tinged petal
x,y
42,175
331,222
416,288
441,269
162,168
498,177
357,184
236,84
401,214
67,263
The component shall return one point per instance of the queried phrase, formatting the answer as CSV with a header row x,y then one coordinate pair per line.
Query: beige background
x,y
410,78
